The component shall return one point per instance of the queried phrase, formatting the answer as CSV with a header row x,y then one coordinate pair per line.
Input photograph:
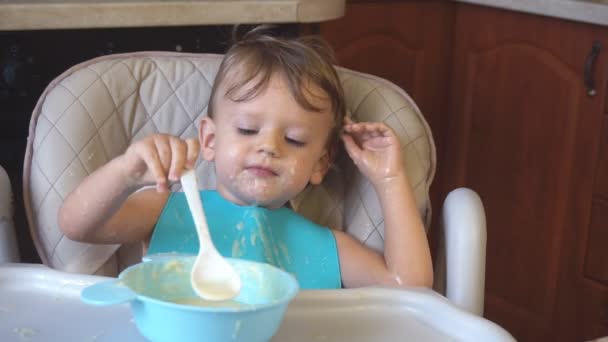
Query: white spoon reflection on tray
x,y
212,277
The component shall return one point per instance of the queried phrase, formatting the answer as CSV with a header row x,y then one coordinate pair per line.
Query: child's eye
x,y
247,131
295,142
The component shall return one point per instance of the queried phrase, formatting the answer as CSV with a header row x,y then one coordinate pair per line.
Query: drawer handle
x,y
589,66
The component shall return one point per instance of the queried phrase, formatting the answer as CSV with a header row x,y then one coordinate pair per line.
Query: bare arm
x,y
104,207
407,260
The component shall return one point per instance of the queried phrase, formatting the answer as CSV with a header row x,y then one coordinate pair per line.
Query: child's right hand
x,y
159,159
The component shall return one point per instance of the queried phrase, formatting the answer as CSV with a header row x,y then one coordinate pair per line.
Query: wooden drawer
x,y
596,267
601,175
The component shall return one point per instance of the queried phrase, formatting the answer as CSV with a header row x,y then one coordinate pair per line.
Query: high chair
x,y
93,111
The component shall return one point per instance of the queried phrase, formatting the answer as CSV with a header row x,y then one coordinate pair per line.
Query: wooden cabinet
x,y
524,133
504,94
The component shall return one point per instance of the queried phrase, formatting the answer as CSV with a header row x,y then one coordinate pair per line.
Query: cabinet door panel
x,y
524,133
516,157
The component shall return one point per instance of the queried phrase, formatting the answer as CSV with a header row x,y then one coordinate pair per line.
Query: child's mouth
x,y
261,171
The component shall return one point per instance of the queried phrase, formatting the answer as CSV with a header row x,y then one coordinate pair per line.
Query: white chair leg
x,y
8,242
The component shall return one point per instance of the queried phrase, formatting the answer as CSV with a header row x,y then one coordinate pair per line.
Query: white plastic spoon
x,y
212,277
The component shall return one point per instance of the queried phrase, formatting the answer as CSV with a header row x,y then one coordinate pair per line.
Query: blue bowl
x,y
158,289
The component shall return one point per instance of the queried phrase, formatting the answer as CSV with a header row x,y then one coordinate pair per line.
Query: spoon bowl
x,y
212,277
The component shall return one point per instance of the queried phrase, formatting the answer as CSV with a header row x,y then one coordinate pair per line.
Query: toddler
x,y
275,120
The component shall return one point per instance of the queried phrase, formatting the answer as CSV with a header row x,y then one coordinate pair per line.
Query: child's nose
x,y
270,144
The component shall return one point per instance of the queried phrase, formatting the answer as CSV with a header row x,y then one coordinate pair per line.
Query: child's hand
x,y
375,149
160,159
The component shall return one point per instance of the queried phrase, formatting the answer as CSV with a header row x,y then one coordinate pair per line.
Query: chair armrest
x,y
464,226
8,241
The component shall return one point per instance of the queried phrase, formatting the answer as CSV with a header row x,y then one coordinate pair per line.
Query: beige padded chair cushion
x,y
92,112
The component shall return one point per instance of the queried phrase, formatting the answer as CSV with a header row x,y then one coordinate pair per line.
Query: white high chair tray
x,y
40,304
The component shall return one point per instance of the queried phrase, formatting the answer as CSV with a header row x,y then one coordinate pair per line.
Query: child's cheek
x,y
293,174
291,169
230,163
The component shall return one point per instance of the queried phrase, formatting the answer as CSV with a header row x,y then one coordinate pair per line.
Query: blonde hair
x,y
303,62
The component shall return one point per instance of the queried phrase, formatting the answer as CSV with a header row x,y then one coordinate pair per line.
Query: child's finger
x,y
155,167
374,126
364,131
376,133
353,150
178,158
192,155
350,126
361,127
377,129
353,132
163,148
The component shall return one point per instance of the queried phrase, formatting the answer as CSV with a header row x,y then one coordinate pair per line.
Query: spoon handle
x,y
195,204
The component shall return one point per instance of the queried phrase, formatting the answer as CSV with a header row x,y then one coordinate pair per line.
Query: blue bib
x,y
279,237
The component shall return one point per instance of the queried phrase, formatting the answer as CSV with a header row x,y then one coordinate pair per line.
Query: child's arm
x,y
103,208
407,260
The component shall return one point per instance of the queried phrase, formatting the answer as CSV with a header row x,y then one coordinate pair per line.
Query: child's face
x,y
267,149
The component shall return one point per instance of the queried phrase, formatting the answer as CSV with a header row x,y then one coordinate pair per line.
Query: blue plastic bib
x,y
279,237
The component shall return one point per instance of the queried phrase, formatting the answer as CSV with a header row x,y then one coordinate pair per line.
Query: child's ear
x,y
320,169
206,137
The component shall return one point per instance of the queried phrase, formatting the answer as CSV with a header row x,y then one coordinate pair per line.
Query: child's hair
x,y
303,62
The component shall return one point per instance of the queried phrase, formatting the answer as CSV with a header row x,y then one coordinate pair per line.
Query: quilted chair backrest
x,y
93,111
